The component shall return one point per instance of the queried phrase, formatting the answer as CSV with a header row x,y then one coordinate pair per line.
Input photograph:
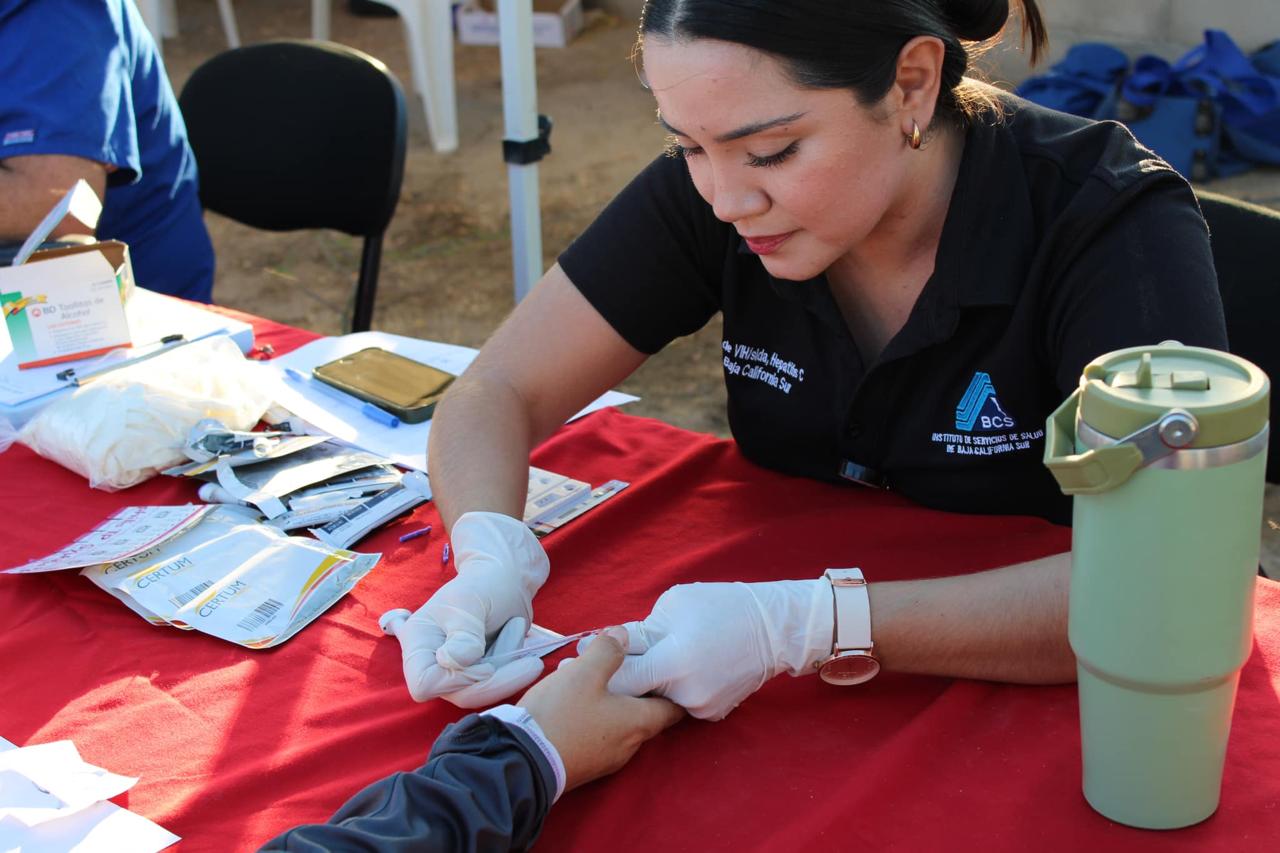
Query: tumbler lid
x,y
1126,390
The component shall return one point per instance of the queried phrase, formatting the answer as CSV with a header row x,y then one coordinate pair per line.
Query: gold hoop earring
x,y
914,139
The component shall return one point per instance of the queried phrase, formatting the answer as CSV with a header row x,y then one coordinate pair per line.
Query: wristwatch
x,y
851,660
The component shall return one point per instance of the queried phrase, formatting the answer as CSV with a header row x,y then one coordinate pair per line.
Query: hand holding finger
x,y
595,731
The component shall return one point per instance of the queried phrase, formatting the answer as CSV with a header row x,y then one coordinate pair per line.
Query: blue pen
x,y
369,410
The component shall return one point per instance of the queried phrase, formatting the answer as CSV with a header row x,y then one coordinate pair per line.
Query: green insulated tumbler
x,y
1164,448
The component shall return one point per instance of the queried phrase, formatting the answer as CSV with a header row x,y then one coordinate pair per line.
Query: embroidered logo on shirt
x,y
983,427
979,410
761,365
19,137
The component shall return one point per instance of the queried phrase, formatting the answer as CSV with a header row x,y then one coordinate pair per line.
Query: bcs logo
x,y
979,409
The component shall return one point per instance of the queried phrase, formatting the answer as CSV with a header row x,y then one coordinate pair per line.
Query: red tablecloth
x,y
233,746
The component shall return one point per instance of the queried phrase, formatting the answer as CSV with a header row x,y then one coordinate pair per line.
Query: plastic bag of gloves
x,y
123,427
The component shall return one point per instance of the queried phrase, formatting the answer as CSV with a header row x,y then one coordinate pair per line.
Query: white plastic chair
x,y
428,30
161,17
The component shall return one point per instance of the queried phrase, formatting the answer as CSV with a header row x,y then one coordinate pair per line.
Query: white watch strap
x,y
852,610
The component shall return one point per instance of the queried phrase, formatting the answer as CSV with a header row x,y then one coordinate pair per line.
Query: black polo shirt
x,y
1064,239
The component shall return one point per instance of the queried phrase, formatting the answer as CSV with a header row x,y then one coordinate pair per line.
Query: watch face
x,y
849,668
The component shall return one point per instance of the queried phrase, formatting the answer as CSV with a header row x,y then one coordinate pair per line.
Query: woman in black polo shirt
x,y
912,269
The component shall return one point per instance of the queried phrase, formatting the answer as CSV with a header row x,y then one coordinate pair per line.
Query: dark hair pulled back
x,y
848,44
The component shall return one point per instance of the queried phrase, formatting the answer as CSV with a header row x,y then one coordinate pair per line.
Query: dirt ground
x,y
446,268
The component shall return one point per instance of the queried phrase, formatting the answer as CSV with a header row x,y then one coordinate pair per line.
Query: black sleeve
x,y
1144,275
485,787
651,261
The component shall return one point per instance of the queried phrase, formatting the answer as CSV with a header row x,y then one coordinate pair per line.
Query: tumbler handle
x,y
1092,472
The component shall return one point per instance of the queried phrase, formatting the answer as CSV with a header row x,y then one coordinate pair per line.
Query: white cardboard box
x,y
555,22
68,303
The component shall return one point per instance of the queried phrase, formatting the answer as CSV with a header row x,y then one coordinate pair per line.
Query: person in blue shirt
x,y
85,95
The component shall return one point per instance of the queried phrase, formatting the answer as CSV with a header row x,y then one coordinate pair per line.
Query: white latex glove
x,y
501,566
708,646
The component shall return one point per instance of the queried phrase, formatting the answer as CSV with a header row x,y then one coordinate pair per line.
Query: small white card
x,y
63,308
52,801
80,202
130,531
51,781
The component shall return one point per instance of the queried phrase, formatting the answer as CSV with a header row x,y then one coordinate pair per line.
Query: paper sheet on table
x,y
103,826
50,781
407,443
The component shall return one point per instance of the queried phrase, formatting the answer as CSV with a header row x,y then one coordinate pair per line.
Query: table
x,y
233,746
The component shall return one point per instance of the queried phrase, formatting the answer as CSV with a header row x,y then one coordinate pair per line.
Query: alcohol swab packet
x,y
353,525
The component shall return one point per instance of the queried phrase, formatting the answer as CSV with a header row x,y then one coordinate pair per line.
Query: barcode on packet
x,y
180,600
261,615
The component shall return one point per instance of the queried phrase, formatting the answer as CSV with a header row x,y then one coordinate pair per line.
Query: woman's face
x,y
804,175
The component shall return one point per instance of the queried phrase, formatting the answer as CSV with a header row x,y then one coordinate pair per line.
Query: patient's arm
x,y
30,186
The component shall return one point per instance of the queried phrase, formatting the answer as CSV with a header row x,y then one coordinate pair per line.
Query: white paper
x,y
406,444
102,827
151,316
63,783
130,531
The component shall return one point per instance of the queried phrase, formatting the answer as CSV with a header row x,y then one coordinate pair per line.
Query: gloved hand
x,y
708,646
501,566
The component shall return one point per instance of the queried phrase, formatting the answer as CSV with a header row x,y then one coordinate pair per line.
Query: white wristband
x,y
523,720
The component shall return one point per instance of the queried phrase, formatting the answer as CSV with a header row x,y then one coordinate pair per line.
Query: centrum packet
x,y
171,559
265,603
240,581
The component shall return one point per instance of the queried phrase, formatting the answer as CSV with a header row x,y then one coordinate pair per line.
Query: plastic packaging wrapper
x,y
123,427
7,434
234,578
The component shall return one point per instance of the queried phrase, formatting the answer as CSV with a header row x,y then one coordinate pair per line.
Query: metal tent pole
x,y
524,139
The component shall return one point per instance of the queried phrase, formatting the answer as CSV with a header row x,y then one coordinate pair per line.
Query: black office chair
x,y
296,134
1245,239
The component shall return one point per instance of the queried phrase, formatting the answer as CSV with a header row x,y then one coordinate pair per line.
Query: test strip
x,y
598,495
540,649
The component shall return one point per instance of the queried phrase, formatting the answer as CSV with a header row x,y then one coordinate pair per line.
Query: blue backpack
x,y
1213,112
1085,82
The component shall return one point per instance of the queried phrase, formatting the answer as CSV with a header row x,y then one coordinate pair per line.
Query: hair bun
x,y
976,20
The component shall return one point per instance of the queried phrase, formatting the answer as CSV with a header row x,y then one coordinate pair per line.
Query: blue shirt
x,y
83,78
